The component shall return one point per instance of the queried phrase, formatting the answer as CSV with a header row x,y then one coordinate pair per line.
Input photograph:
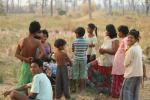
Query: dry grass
x,y
14,27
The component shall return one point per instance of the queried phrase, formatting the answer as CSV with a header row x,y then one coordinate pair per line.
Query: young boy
x,y
62,80
26,51
79,69
41,88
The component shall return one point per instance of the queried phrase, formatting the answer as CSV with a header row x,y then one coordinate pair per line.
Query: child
x,y
79,69
133,68
118,67
91,51
62,59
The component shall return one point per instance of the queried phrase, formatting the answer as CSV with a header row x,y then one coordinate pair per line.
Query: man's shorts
x,y
79,70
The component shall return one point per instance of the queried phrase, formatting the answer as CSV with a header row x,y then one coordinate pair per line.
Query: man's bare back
x,y
27,49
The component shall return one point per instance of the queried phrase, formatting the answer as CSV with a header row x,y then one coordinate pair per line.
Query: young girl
x,y
92,40
133,68
118,67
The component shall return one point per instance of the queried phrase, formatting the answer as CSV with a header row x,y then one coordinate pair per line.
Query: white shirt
x,y
42,86
91,50
133,62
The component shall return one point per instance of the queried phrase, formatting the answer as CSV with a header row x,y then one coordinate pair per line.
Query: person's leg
x,y
59,83
137,88
65,80
128,89
15,95
88,58
116,85
75,75
83,75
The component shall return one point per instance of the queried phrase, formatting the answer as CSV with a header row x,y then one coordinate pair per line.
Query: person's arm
x,y
18,89
18,53
144,71
42,51
93,43
115,45
73,47
32,95
67,58
128,57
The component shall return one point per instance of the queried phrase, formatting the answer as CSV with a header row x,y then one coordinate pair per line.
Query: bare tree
x,y
105,4
90,9
7,5
110,7
43,2
133,5
122,5
51,6
12,6
147,4
74,4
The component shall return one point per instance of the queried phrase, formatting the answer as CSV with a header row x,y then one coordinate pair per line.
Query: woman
x,y
92,40
133,68
118,67
100,73
43,36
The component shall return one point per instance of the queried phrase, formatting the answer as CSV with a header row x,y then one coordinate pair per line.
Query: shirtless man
x,y
26,51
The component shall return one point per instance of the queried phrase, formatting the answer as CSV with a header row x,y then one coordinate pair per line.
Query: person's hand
x,y
29,59
101,50
6,93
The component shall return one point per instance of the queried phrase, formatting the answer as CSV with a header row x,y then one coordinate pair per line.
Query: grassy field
x,y
15,27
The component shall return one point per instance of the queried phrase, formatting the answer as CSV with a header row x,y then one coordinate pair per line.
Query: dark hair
x,y
93,27
80,31
123,29
34,27
135,33
44,31
59,42
39,62
110,28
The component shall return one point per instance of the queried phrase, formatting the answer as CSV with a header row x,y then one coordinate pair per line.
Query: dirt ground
x,y
145,92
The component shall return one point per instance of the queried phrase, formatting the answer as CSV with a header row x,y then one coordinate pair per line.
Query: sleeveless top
x,y
107,59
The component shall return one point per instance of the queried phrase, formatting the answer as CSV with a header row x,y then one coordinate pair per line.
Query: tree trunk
x,y
122,5
133,5
105,4
147,4
7,6
51,6
90,9
43,2
110,8
74,4
12,6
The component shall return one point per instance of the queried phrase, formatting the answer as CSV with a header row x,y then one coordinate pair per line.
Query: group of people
x,y
116,72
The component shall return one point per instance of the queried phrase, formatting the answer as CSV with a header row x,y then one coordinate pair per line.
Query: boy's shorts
x,y
79,70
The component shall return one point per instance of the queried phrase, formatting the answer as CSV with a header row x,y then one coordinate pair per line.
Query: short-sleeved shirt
x,y
42,86
91,50
80,46
118,64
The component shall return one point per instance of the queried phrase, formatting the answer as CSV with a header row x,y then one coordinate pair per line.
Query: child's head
x,y
80,31
36,66
133,37
91,28
45,35
111,31
34,27
60,44
123,31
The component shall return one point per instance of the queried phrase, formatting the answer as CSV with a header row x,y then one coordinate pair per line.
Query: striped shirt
x,y
80,46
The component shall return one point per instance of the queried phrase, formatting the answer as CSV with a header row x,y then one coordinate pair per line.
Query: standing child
x,y
62,80
79,69
133,68
118,67
92,40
